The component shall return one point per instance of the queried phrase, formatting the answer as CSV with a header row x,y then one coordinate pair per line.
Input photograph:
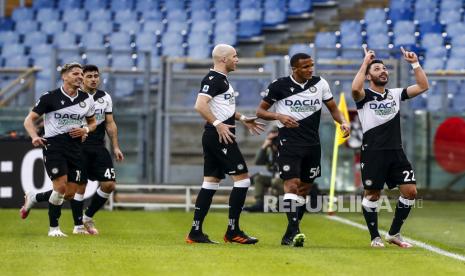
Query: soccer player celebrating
x,y
216,104
96,158
65,110
382,157
298,99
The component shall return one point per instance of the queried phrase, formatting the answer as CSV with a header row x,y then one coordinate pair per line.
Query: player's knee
x,y
372,195
304,189
108,187
291,187
69,195
410,193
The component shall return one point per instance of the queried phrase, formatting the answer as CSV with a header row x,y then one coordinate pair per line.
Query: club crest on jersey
x,y
389,97
312,89
100,100
302,105
82,104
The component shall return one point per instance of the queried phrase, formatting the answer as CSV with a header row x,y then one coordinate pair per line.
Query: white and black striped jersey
x,y
302,102
223,104
379,115
103,106
63,113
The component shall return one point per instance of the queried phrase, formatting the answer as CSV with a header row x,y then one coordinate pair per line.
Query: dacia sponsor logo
x,y
384,108
68,116
302,106
229,97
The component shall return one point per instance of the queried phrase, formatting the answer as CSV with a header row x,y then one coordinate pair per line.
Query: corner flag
x,y
343,108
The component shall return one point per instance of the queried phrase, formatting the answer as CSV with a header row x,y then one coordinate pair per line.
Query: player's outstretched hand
x,y
287,121
253,126
226,136
39,141
345,128
410,57
118,154
369,55
77,132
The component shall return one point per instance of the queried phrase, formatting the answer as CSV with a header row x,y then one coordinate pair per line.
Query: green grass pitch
x,y
152,243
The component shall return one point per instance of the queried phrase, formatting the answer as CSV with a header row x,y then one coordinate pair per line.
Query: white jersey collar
x,y
302,85
69,97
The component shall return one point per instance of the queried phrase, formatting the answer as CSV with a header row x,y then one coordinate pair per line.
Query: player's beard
x,y
378,82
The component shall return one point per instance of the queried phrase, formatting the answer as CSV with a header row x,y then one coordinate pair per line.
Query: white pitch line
x,y
412,241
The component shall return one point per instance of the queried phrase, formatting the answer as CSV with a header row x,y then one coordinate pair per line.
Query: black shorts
x,y
98,165
63,156
385,166
299,162
220,158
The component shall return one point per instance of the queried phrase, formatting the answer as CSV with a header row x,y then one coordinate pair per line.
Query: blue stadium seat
x,y
436,52
300,48
177,27
297,7
447,5
434,101
404,27
248,29
35,38
8,37
418,103
250,15
448,17
92,40
173,50
458,40
280,4
99,15
120,41
174,5
41,50
225,16
199,39
200,5
154,26
43,4
22,13
52,27
430,40
69,56
399,15
430,27
13,49
404,40
455,29
130,27
458,102
353,40
457,53
42,61
425,15
172,39
122,61
226,38
432,64
200,15
95,4
145,41
246,4
400,4
121,5
274,17
152,15
46,14
78,27
99,59
377,28
176,15
16,61
122,16
199,52
123,87
154,62
26,26
68,4
70,16
350,27
326,40
102,26
147,5
6,24
201,26
378,41
374,15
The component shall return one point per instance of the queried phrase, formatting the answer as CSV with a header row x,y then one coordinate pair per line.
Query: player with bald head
x,y
216,104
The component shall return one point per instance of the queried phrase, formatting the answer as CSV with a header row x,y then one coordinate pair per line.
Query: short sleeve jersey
x,y
222,104
380,119
303,102
63,113
103,106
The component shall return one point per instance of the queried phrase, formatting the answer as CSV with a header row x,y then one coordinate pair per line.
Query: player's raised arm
x,y
263,113
358,92
420,76
201,106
